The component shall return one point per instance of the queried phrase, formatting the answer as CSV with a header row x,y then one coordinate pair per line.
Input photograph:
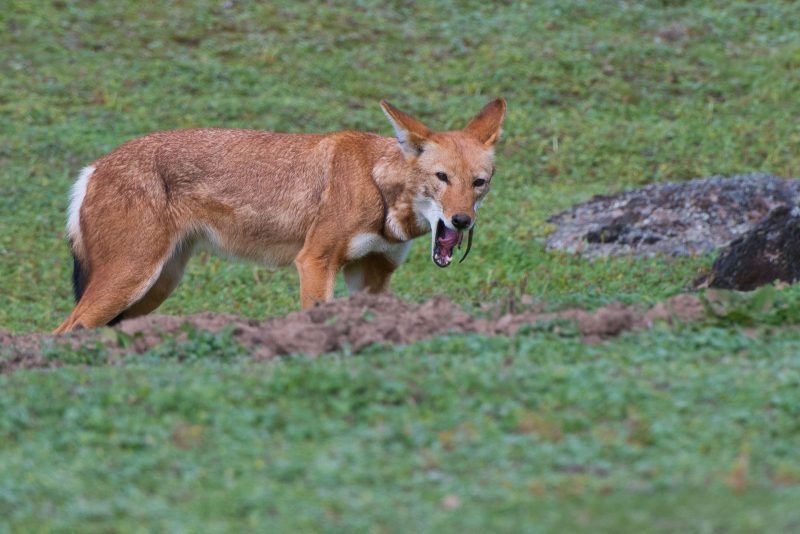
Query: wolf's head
x,y
452,170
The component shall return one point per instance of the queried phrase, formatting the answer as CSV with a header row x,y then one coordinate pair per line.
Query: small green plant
x,y
196,345
766,306
93,353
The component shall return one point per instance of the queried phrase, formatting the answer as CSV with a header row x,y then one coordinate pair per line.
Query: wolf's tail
x,y
80,274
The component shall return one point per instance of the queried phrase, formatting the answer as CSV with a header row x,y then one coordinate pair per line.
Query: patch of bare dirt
x,y
676,219
352,324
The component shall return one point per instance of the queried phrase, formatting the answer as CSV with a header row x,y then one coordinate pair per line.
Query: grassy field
x,y
693,429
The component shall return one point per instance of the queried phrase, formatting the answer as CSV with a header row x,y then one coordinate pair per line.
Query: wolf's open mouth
x,y
445,241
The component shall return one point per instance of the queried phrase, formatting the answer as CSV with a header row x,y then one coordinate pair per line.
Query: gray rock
x,y
676,219
768,253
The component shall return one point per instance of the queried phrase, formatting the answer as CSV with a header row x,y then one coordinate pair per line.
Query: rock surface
x,y
769,252
677,219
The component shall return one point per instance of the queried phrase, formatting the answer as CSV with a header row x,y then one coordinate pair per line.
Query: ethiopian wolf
x,y
345,200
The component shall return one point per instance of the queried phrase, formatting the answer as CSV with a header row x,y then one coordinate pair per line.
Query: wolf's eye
x,y
479,182
442,176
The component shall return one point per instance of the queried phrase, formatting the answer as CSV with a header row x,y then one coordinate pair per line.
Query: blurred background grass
x,y
602,96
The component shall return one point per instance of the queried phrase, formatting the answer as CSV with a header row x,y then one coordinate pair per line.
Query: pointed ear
x,y
411,134
486,125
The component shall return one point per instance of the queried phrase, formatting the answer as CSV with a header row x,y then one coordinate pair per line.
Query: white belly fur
x,y
363,244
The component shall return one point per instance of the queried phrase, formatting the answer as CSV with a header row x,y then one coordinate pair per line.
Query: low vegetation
x,y
693,428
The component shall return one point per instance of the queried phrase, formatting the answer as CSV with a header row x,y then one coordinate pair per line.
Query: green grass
x,y
600,99
596,104
534,433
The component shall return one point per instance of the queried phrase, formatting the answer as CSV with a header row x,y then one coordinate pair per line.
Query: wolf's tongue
x,y
449,238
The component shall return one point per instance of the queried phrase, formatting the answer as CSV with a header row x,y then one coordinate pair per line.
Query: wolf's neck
x,y
399,190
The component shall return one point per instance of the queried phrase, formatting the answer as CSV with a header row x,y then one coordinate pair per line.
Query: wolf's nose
x,y
461,221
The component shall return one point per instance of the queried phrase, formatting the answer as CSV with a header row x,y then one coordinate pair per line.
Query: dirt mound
x,y
342,324
678,219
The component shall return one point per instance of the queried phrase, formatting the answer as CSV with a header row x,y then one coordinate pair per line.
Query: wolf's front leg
x,y
317,277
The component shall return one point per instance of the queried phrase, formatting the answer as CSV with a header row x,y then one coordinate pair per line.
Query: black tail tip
x,y
79,275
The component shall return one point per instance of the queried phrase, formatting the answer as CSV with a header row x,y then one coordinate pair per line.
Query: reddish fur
x,y
265,196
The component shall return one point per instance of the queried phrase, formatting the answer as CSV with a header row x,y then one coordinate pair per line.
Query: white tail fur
x,y
76,199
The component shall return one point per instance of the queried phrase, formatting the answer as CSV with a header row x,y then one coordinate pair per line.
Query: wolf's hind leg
x,y
370,273
171,274
113,287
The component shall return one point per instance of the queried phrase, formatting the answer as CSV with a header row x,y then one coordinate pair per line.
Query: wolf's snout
x,y
461,221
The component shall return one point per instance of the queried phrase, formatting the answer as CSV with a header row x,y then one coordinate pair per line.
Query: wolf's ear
x,y
411,134
486,125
